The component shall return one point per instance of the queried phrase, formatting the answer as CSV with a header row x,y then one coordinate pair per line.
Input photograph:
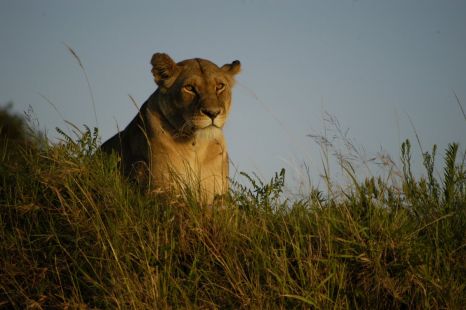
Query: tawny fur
x,y
176,140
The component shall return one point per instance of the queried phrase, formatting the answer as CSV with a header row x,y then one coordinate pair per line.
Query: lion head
x,y
194,94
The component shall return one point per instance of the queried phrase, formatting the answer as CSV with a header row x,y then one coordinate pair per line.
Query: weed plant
x,y
75,235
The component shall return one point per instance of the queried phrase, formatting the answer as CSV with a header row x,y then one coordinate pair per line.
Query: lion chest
x,y
199,164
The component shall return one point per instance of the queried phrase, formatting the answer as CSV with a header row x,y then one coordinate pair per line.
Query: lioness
x,y
177,139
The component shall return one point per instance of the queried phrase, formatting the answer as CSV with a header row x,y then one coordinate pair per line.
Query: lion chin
x,y
211,132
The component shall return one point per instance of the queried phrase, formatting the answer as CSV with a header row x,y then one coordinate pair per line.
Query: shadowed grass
x,y
75,235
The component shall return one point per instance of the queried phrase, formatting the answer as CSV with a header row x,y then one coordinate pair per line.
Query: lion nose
x,y
211,112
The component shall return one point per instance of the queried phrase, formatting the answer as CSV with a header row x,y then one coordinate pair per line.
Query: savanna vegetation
x,y
75,235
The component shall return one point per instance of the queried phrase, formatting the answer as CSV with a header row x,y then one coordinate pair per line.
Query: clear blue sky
x,y
373,64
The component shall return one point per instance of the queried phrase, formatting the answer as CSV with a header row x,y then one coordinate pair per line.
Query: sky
x,y
381,71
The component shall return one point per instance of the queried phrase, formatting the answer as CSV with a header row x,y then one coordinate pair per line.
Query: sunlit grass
x,y
74,234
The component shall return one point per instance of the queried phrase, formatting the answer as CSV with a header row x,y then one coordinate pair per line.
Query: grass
x,y
75,235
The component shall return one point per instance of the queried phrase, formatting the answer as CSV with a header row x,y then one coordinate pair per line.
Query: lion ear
x,y
164,69
233,68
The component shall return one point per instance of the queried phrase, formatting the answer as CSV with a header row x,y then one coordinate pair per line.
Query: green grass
x,y
74,234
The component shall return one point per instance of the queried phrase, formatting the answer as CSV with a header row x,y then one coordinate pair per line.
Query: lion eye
x,y
220,87
189,88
